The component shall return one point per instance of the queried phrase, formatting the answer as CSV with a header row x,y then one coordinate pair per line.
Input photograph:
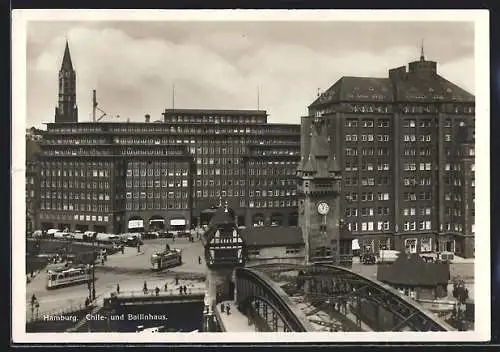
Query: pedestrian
x,y
157,290
176,279
185,289
102,260
199,259
145,288
228,309
123,249
180,290
222,307
117,288
166,287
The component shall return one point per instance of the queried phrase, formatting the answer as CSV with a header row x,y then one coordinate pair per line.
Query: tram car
x,y
166,259
68,276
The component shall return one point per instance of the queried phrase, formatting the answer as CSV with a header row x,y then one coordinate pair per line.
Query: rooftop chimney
x,y
148,118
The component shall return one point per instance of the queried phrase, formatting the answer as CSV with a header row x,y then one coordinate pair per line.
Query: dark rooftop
x,y
411,270
272,236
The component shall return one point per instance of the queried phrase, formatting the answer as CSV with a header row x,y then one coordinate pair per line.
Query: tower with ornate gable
x,y
66,110
319,189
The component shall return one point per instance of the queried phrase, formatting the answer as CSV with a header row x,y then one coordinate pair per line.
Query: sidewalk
x,y
235,321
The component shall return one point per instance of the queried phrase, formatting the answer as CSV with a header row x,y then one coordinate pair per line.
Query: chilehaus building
x,y
119,177
385,162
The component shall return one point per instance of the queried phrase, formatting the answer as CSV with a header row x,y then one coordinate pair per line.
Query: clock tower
x,y
319,182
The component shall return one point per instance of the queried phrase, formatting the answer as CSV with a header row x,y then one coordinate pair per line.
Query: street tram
x,y
68,276
166,259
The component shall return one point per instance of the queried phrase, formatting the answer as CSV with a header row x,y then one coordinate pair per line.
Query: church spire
x,y
67,65
422,56
66,110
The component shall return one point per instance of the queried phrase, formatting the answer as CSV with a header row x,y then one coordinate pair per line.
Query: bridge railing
x,y
408,302
275,294
161,293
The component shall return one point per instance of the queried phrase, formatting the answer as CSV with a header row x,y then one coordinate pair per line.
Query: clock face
x,y
323,208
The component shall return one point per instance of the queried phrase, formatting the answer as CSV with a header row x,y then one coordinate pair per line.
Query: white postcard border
x,y
480,18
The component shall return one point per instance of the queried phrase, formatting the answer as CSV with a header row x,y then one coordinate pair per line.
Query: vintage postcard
x,y
250,176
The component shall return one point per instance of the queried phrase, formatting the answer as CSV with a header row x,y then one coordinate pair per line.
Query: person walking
x,y
166,287
185,289
222,307
117,288
145,288
157,290
199,259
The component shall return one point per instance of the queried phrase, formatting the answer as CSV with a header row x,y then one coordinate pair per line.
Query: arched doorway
x,y
258,220
293,219
135,224
277,219
157,223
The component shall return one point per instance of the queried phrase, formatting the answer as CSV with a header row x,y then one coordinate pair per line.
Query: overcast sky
x,y
219,65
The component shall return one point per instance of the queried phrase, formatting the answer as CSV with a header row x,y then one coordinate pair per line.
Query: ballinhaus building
x,y
164,174
407,161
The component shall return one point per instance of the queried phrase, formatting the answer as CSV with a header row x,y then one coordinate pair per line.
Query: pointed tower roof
x,y
309,165
333,165
67,65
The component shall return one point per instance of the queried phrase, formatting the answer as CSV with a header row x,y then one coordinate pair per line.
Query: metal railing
x,y
162,293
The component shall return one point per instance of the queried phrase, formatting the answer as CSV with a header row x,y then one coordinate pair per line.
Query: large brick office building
x,y
407,164
115,177
407,145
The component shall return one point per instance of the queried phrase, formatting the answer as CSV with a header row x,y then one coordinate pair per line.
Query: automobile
x,y
150,235
368,259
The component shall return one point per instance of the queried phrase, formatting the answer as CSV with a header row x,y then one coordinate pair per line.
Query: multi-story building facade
x,y
408,159
32,179
116,177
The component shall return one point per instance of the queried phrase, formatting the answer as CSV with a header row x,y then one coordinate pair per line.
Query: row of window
x,y
71,184
411,196
156,205
80,217
270,193
76,196
272,204
367,123
208,171
74,206
171,171
215,119
413,138
206,193
366,137
75,172
412,181
370,226
412,225
413,166
351,165
413,152
156,183
412,211
151,195
353,212
353,181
